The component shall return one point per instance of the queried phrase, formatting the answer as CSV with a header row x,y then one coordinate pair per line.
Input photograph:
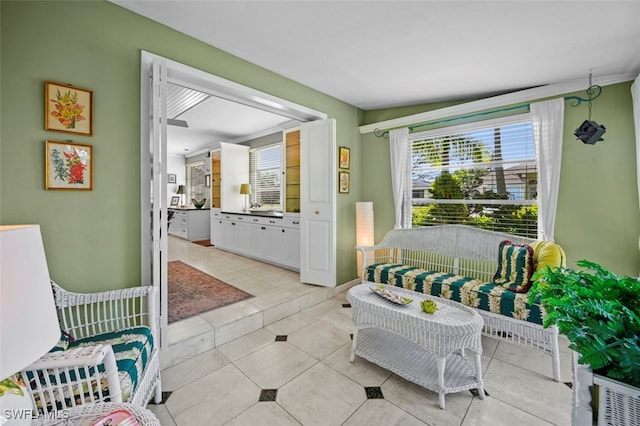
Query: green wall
x,y
92,238
597,217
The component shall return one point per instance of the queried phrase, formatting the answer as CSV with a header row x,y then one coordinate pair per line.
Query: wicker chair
x,y
111,356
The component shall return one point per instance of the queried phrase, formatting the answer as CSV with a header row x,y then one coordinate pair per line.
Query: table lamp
x,y
28,319
245,189
182,190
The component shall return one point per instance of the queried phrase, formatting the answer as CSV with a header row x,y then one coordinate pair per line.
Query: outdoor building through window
x,y
482,175
265,176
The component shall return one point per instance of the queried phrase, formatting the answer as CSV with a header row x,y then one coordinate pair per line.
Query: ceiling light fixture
x,y
589,132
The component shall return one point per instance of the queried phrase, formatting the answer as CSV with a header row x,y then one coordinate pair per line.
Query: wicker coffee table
x,y
426,349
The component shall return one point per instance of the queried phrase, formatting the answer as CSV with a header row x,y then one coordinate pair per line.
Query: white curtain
x,y
635,95
399,143
548,124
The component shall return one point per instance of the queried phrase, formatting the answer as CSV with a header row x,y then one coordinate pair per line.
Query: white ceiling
x,y
219,120
381,54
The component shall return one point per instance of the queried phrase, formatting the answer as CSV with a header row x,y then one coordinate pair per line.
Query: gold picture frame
x,y
344,157
68,166
343,182
68,109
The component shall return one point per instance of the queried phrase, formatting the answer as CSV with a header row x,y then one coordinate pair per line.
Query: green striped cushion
x,y
515,266
468,291
132,348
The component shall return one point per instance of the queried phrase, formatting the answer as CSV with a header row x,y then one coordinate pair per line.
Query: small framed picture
x,y
207,181
343,182
171,178
174,201
68,166
345,157
68,109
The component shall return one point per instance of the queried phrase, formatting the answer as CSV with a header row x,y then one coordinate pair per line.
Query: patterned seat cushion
x,y
468,291
132,348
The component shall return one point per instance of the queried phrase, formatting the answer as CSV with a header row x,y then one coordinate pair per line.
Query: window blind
x,y
265,169
484,176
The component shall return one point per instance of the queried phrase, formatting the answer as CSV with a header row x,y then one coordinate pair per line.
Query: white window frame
x,y
254,197
452,130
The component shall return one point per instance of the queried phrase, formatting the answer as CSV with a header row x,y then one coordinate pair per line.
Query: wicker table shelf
x,y
428,350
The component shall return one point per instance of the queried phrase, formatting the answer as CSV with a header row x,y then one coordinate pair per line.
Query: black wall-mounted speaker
x,y
590,132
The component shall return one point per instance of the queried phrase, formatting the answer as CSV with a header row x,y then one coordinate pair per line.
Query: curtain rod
x,y
593,91
380,133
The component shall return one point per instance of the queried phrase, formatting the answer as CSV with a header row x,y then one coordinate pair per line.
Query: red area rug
x,y
205,243
191,291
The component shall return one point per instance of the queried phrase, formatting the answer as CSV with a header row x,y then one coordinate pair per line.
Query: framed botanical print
x,y
344,155
343,182
68,109
68,166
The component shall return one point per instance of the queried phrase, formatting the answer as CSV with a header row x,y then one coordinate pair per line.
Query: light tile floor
x,y
294,369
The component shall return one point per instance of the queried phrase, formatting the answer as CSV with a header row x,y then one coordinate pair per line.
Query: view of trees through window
x,y
486,177
265,176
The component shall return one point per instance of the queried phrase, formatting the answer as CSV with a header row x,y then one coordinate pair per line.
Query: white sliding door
x,y
154,186
317,204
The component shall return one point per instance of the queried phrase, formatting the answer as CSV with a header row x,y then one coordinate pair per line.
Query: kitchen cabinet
x,y
272,239
229,169
292,171
190,224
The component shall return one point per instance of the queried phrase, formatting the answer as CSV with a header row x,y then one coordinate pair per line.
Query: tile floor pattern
x,y
296,370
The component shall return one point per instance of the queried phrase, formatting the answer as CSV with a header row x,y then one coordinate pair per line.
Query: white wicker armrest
x,y
74,363
81,356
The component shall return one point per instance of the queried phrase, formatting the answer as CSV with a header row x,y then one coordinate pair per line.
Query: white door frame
x,y
196,79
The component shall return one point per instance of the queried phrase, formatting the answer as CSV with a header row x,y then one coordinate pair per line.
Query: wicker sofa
x,y
108,351
458,262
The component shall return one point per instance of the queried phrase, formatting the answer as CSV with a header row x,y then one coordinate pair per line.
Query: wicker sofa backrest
x,y
458,249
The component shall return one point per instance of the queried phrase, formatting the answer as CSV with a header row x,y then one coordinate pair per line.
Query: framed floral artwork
x,y
68,109
344,156
68,166
343,182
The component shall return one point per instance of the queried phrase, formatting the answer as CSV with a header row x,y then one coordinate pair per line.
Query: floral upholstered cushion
x,y
515,266
468,291
132,348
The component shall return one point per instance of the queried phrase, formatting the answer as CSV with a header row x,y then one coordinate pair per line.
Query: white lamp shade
x,y
364,228
364,223
28,319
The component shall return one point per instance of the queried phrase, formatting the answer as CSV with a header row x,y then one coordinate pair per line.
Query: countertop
x,y
265,213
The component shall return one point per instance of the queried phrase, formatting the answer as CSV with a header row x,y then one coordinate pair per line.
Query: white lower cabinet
x,y
190,224
271,239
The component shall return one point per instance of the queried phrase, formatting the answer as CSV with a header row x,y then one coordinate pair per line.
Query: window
x,y
481,175
195,181
265,175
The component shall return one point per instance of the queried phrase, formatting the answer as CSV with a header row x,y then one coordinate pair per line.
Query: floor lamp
x,y
364,228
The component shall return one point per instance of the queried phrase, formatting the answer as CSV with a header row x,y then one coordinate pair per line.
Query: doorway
x,y
156,73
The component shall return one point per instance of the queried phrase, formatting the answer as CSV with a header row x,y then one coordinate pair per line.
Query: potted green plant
x,y
599,312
